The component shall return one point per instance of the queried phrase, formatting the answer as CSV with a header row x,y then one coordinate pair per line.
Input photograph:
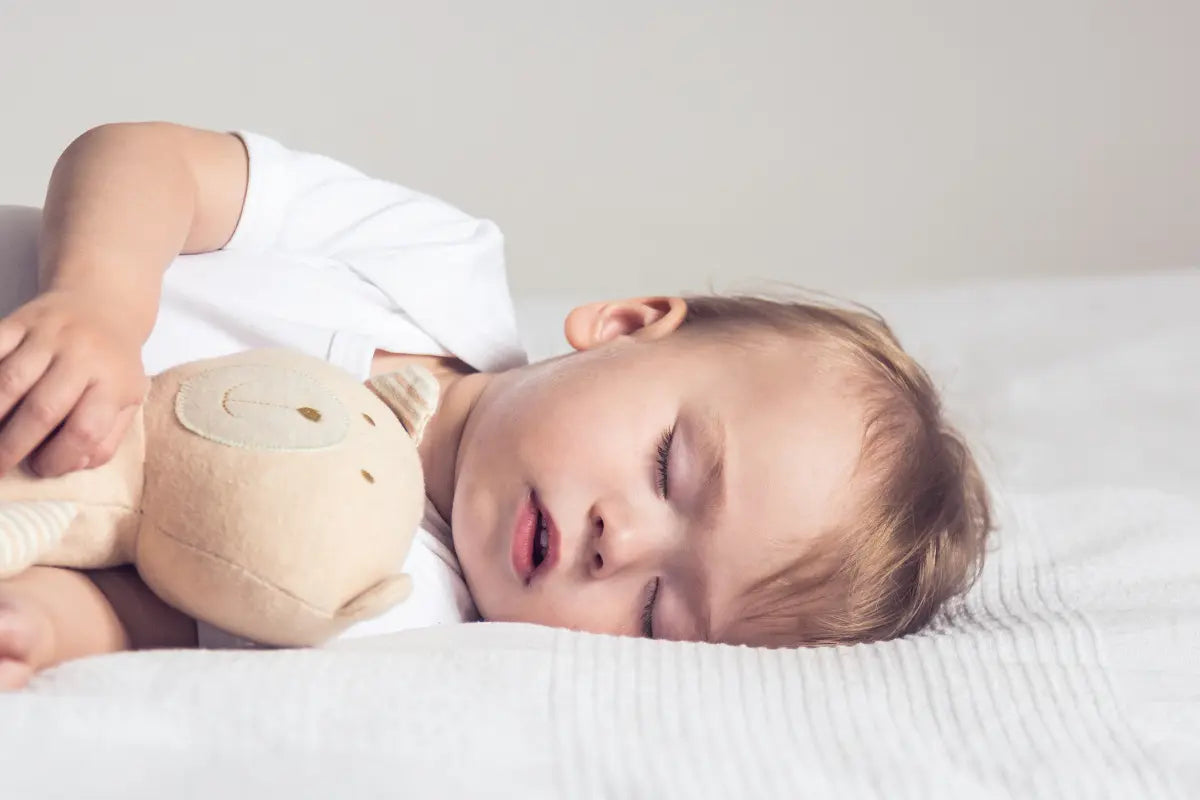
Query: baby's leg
x,y
50,615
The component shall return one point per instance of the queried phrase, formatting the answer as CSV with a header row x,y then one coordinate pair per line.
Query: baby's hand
x,y
71,378
26,636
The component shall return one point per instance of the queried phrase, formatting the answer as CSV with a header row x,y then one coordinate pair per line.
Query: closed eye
x,y
663,459
648,609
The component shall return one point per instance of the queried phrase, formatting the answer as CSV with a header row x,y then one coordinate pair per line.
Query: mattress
x,y
1071,670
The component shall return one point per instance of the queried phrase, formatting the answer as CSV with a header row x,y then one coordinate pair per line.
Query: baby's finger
x,y
19,372
87,439
74,445
12,333
14,674
104,453
46,405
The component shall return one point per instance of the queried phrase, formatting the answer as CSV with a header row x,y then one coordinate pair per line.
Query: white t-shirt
x,y
330,262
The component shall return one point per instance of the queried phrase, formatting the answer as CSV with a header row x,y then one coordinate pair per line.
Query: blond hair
x,y
918,537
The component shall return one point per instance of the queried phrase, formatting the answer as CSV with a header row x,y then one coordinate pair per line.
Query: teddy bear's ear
x,y
412,395
377,599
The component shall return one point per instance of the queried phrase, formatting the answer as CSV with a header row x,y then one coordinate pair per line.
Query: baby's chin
x,y
489,584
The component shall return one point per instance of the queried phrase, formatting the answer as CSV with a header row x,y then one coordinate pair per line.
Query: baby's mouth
x,y
535,541
545,541
541,540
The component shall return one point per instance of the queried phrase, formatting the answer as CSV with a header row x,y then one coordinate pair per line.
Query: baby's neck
x,y
460,387
384,361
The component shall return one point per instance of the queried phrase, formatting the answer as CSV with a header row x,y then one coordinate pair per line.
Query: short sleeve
x,y
440,266
306,203
268,186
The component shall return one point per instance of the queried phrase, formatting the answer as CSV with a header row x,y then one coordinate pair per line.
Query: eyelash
x,y
664,452
648,610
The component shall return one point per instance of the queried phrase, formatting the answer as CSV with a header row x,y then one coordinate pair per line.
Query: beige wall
x,y
628,145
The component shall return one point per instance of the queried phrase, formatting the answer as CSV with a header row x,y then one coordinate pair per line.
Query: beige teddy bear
x,y
267,493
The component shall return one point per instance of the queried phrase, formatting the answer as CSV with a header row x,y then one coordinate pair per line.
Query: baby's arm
x,y
123,201
50,615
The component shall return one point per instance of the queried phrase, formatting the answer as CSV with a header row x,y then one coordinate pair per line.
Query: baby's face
x,y
759,441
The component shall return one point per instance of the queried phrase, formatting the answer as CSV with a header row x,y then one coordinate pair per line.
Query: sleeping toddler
x,y
726,469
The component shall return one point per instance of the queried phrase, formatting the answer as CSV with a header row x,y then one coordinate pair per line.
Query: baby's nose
x,y
620,543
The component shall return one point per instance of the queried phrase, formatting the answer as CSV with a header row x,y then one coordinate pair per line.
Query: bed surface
x,y
1072,670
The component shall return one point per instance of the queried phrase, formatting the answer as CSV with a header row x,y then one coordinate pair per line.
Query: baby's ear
x,y
643,318
377,599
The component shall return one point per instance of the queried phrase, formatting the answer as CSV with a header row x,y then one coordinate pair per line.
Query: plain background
x,y
631,146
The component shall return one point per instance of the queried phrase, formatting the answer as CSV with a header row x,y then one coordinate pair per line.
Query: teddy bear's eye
x,y
367,417
309,413
369,477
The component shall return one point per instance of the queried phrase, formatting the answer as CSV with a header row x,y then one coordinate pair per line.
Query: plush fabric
x,y
267,493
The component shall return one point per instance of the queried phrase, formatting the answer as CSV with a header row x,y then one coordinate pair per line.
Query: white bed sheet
x,y
1072,670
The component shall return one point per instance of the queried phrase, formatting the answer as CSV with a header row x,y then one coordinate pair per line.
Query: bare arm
x,y
50,615
123,201
146,622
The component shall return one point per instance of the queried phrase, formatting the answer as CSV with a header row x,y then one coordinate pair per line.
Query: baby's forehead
x,y
732,343
795,431
766,369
